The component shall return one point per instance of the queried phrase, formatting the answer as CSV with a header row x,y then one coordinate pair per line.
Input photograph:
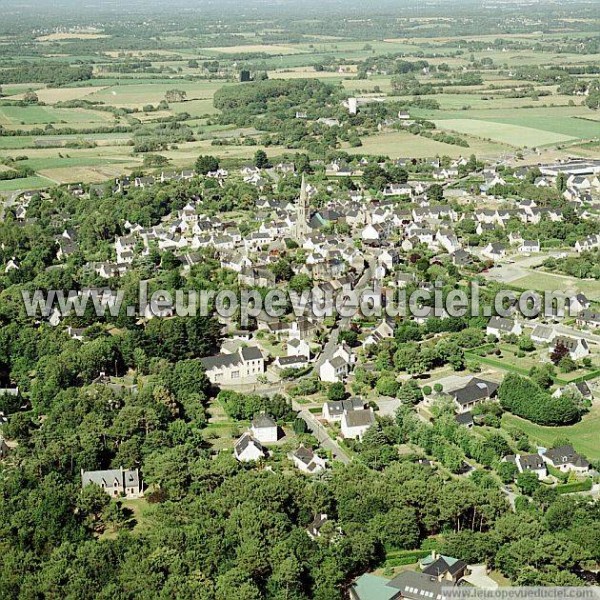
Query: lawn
x,y
548,282
583,435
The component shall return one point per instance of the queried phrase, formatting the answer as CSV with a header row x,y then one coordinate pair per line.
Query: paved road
x,y
510,495
321,434
313,424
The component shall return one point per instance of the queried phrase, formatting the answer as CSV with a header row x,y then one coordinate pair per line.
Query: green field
x,y
583,435
26,183
505,133
13,116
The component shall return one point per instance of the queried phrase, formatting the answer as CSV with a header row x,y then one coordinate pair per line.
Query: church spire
x,y
302,211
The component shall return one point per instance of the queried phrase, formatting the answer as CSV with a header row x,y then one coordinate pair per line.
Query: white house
x,y
528,462
264,429
500,326
578,347
566,459
307,461
247,449
356,422
334,369
529,246
298,347
334,410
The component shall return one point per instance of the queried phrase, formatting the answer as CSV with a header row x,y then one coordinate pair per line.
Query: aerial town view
x,y
300,300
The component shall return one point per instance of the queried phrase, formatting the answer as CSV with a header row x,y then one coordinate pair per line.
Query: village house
x,y
306,461
264,429
588,318
475,391
500,326
578,347
528,462
356,422
115,482
247,449
247,363
334,409
566,459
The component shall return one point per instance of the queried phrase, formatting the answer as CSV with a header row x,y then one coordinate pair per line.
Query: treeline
x,y
50,73
525,398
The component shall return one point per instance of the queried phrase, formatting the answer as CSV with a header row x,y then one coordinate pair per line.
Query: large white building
x,y
246,364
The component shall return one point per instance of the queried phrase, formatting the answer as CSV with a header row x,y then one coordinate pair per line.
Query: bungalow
x,y
566,459
307,461
115,482
356,422
474,392
500,326
577,347
247,449
264,429
528,462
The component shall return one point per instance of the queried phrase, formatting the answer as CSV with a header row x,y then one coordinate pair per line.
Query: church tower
x,y
302,212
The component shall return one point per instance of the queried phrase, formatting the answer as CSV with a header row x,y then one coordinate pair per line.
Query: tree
x,y
561,182
438,388
206,164
507,471
528,482
336,391
261,160
387,386
175,95
410,393
559,352
435,193
567,364
30,97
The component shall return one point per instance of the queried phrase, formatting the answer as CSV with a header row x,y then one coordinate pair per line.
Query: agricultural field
x,y
130,82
